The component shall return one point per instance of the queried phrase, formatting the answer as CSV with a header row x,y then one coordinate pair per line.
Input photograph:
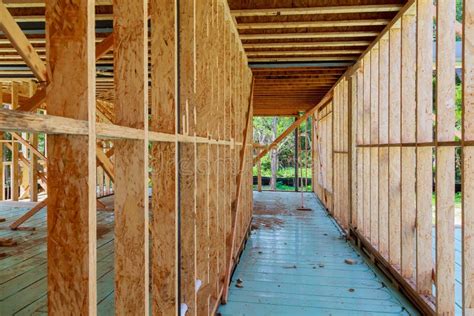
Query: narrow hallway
x,y
299,263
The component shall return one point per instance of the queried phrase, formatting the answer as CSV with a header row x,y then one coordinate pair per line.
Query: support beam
x,y
163,161
408,135
343,9
445,157
292,127
71,161
131,158
467,177
38,207
424,134
15,168
32,175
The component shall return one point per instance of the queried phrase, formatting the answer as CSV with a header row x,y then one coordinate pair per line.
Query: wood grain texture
x,y
71,160
131,159
163,161
367,166
424,159
468,160
15,168
374,139
394,152
445,158
408,134
383,108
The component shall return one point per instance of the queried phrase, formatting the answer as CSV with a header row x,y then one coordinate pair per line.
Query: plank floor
x,y
23,268
294,264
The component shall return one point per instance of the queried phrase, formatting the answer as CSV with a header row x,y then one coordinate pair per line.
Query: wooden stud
x,y
468,161
163,161
131,158
366,159
394,152
408,134
424,155
33,175
2,136
15,169
187,152
383,171
445,172
71,161
360,151
374,151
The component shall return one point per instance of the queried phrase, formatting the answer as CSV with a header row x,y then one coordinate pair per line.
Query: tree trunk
x,y
274,155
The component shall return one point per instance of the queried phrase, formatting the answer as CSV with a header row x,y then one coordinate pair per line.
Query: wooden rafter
x,y
317,10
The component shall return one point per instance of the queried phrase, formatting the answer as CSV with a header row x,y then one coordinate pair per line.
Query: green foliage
x,y
459,7
287,172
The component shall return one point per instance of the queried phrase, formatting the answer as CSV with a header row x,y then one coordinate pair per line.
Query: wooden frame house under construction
x,y
127,155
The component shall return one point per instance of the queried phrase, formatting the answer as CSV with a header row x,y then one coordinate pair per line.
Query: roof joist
x,y
317,10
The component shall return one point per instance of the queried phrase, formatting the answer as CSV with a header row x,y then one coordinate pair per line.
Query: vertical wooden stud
x,y
408,136
163,161
374,140
424,154
445,177
72,285
366,169
394,151
468,160
131,158
383,151
15,168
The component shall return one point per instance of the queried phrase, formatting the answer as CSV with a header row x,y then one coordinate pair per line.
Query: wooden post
x,y
33,170
468,160
374,140
71,160
164,223
408,135
131,157
2,136
360,151
366,150
206,17
259,177
445,172
15,168
394,203
383,151
187,155
424,134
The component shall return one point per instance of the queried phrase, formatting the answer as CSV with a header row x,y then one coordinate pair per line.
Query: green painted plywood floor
x,y
23,268
294,264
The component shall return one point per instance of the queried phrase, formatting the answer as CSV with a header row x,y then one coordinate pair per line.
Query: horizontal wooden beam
x,y
11,120
41,3
306,44
309,24
286,59
310,35
303,52
318,10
